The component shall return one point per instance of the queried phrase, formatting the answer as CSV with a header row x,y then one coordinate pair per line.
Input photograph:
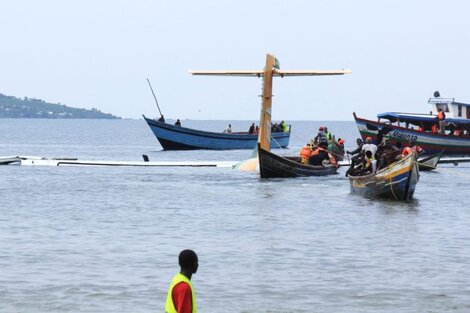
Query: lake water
x,y
91,239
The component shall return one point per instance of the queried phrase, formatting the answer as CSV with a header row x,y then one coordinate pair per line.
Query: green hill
x,y
12,107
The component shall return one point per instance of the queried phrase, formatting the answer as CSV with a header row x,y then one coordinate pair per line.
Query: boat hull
x,y
272,165
397,181
431,143
429,163
182,138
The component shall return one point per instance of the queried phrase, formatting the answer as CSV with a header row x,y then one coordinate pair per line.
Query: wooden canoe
x,y
397,181
429,163
272,165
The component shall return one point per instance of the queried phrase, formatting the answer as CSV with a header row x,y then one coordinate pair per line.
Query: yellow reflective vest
x,y
170,306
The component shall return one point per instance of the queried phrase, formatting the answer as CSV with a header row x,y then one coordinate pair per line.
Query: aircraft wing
x,y
282,73
249,73
276,72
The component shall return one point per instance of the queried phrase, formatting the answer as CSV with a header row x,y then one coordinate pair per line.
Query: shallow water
x,y
91,239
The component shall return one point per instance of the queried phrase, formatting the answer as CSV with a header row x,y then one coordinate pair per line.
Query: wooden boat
x,y
406,127
429,163
173,137
397,181
272,165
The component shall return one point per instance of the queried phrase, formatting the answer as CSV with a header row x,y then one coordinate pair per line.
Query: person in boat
x,y
328,135
305,153
356,156
162,119
277,128
370,163
285,127
229,129
387,153
321,134
178,123
369,146
441,116
251,130
409,150
181,297
358,149
341,143
320,154
256,129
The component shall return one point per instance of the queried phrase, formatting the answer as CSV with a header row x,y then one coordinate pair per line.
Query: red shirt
x,y
182,298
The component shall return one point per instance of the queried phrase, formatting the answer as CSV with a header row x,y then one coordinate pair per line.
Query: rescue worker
x,y
441,116
341,142
319,154
162,119
328,135
181,298
406,151
285,127
251,130
178,123
305,153
321,134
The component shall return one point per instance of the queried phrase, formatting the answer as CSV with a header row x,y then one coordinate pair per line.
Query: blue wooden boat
x,y
396,181
173,137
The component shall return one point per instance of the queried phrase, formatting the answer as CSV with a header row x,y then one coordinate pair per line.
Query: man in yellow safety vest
x,y
181,298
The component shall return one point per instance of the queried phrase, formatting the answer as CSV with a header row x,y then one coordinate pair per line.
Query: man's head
x,y
188,261
358,141
369,154
368,140
325,128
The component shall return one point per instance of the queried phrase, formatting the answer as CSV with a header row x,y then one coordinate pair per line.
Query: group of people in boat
x,y
316,152
441,126
367,158
281,127
254,129
162,119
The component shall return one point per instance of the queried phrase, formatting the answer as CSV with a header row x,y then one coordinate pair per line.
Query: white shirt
x,y
369,147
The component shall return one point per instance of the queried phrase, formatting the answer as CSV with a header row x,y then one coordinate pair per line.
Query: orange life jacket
x,y
434,129
305,152
441,115
406,151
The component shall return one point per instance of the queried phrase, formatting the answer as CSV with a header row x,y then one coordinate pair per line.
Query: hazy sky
x,y
99,53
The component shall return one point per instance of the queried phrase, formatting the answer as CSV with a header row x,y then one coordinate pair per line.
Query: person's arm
x,y
357,150
182,298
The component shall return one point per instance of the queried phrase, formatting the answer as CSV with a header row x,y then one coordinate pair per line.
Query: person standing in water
x,y
181,297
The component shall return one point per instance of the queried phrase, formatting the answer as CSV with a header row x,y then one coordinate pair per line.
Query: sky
x,y
98,54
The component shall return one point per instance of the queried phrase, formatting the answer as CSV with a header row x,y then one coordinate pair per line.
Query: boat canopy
x,y
417,119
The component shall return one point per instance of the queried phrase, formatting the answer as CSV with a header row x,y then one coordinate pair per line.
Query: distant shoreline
x,y
31,108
